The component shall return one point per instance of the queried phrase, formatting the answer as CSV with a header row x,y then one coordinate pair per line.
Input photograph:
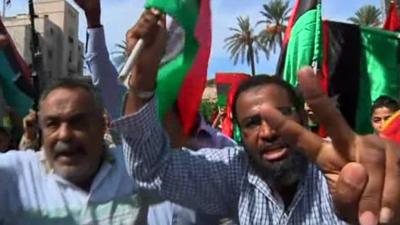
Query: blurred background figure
x,y
31,136
382,109
5,140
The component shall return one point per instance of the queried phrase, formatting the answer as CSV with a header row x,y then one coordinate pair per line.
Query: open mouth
x,y
68,154
274,152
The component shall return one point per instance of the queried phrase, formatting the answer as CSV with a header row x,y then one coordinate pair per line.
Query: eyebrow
x,y
71,117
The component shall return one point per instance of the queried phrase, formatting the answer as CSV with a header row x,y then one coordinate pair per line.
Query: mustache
x,y
63,147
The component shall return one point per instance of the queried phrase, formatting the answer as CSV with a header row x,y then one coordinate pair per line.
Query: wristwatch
x,y
142,94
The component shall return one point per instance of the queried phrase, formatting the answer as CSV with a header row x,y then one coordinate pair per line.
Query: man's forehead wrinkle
x,y
64,110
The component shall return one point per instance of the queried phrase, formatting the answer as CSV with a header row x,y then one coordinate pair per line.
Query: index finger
x,y
295,134
338,130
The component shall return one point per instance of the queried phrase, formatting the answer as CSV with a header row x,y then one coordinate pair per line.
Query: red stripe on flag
x,y
391,128
234,79
291,23
325,67
325,58
191,93
230,78
392,22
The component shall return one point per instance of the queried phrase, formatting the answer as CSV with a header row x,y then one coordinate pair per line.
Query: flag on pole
x,y
301,41
182,80
392,22
15,77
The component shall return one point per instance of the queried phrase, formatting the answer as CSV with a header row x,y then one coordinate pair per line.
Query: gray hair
x,y
71,83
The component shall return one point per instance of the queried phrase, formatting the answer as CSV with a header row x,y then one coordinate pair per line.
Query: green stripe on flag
x,y
304,44
14,97
380,71
172,75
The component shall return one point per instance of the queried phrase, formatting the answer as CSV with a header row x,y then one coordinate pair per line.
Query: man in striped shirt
x,y
285,174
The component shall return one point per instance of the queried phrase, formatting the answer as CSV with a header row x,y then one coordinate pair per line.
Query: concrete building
x,y
57,24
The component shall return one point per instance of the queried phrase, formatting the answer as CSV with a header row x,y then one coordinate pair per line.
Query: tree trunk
x,y
252,63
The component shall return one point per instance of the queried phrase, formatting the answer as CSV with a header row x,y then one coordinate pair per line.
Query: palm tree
x,y
244,44
277,14
119,56
368,15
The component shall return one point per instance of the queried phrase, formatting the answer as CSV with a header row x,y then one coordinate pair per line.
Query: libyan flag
x,y
301,44
15,77
227,85
356,64
182,79
361,64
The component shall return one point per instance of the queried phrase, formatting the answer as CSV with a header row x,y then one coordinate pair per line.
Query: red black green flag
x,y
227,84
361,64
181,79
15,77
392,22
300,42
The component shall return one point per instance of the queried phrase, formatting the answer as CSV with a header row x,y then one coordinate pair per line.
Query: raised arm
x,y
203,180
10,168
102,71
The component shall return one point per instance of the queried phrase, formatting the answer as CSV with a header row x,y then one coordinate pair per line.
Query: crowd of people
x,y
72,168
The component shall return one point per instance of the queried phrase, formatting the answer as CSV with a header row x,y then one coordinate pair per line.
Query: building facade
x,y
58,24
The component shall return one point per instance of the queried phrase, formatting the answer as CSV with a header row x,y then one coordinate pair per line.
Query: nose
x,y
65,132
266,132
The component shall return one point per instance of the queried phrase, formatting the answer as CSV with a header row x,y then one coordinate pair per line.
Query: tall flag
x,y
358,64
182,79
15,77
361,64
301,39
392,22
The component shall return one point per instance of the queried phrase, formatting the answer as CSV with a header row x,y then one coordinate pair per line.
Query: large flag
x,y
15,77
361,64
392,22
182,80
356,64
301,38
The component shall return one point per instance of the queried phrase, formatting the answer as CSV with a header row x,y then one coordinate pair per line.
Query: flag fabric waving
x,y
392,22
300,39
182,80
15,77
356,64
361,64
